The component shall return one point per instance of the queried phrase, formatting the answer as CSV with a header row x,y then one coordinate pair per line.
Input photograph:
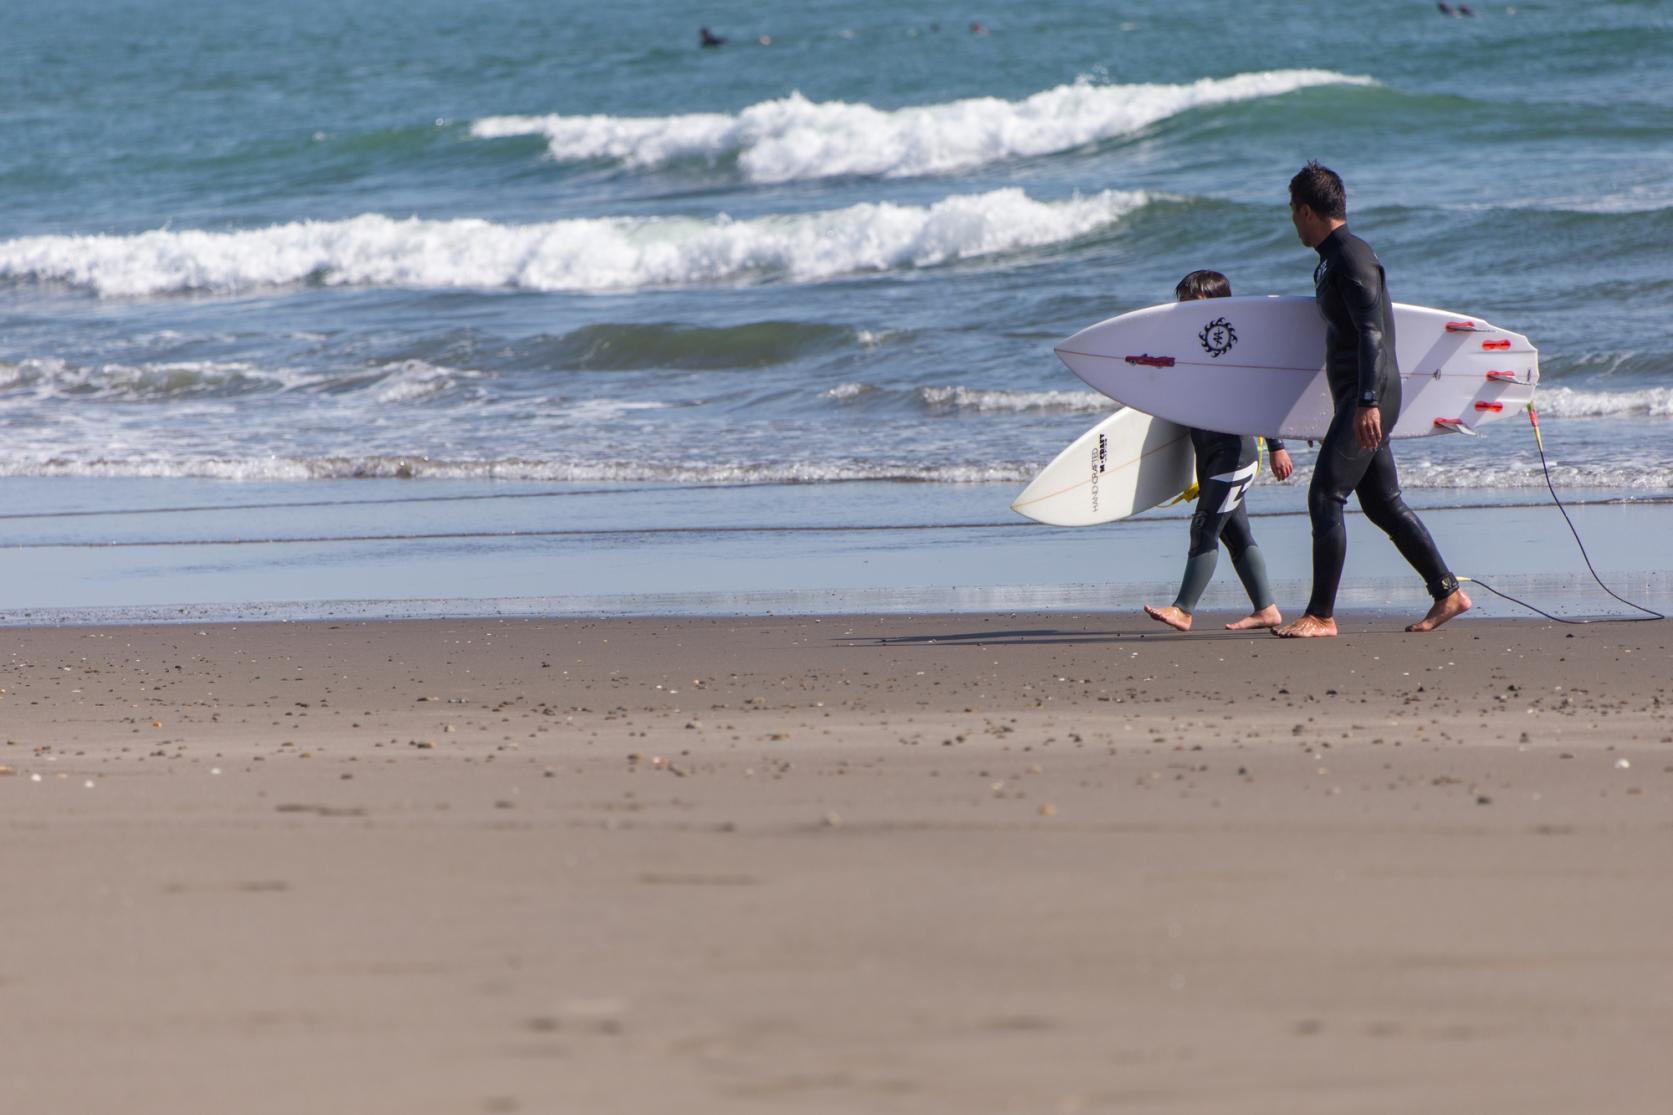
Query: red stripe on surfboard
x,y
1311,369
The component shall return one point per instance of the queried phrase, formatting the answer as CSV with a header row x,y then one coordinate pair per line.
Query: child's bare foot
x,y
1307,627
1172,616
1447,607
1268,616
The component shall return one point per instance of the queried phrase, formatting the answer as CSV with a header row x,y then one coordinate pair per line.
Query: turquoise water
x,y
272,249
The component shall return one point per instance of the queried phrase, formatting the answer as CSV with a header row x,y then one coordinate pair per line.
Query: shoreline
x,y
1360,600
821,549
982,863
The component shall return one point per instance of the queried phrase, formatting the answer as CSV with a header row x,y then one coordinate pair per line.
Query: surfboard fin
x,y
1454,425
1186,496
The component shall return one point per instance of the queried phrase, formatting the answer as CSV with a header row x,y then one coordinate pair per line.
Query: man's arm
x,y
1362,297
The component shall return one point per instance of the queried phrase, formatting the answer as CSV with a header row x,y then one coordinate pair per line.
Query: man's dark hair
x,y
1320,189
1202,284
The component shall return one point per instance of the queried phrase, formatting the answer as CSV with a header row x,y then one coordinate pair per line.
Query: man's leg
x,y
1379,497
1341,465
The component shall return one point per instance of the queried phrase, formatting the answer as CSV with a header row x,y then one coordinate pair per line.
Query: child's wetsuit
x,y
1226,466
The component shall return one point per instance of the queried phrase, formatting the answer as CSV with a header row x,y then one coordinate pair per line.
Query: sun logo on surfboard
x,y
1218,337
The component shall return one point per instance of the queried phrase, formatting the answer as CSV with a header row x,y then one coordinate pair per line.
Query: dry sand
x,y
1032,863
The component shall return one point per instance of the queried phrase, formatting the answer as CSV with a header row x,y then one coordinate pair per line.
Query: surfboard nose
x,y
1076,361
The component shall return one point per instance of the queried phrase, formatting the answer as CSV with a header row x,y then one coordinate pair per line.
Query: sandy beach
x,y
513,599
964,863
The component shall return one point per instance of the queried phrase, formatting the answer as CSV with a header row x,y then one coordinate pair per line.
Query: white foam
x,y
1566,402
417,380
846,391
1013,402
607,410
1654,477
167,381
598,254
793,138
49,378
419,467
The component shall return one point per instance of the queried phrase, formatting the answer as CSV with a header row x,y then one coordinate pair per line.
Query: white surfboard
x,y
1256,366
1128,463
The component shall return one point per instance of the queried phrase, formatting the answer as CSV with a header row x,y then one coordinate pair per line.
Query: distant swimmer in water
x,y
705,37
1465,9
1445,8
976,28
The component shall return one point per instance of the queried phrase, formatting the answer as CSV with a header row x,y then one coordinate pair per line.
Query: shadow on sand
x,y
1052,636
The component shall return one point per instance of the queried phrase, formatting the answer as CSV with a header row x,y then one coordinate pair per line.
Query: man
x,y
1364,381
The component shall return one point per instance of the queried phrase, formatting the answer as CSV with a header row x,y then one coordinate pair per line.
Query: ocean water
x,y
253,253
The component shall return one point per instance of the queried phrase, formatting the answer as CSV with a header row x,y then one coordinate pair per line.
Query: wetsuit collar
x,y
1339,230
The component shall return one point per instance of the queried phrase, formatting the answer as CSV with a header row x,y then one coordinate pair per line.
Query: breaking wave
x,y
1653,478
180,379
398,467
614,346
1016,402
402,381
795,139
595,254
1567,402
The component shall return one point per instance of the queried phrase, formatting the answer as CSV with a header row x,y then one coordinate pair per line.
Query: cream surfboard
x,y
1128,463
1256,366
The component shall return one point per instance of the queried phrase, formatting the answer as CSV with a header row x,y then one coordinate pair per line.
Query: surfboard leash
x,y
1650,614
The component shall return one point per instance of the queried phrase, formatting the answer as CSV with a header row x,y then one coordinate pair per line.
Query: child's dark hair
x,y
1202,284
1321,189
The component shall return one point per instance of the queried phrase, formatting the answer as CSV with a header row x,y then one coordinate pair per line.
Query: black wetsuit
x,y
1226,466
1352,295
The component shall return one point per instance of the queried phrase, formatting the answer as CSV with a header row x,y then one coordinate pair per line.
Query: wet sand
x,y
1024,863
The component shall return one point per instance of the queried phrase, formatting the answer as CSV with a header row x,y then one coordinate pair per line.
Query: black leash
x,y
1649,613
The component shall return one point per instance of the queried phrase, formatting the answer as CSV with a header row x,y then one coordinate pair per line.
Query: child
x,y
1226,466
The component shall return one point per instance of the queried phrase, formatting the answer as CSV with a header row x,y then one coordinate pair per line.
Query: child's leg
x,y
1248,560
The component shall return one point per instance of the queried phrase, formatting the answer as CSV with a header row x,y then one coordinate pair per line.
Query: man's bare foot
x,y
1447,607
1268,616
1307,627
1172,616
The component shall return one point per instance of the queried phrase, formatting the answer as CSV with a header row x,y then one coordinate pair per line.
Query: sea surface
x,y
418,256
